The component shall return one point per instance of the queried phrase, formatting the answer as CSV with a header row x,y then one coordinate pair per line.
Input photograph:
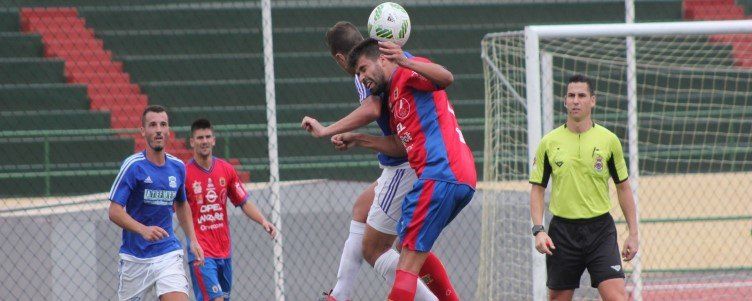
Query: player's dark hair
x,y
342,37
200,124
153,109
581,78
368,48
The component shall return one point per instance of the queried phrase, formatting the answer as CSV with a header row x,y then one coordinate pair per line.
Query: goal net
x,y
690,151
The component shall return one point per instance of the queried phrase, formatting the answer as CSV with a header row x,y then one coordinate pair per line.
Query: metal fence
x,y
75,76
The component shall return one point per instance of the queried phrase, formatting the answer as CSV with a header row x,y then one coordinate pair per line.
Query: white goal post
x,y
532,96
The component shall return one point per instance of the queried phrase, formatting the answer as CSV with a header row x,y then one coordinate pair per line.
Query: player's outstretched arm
x,y
627,204
436,73
120,217
250,210
183,212
388,145
367,112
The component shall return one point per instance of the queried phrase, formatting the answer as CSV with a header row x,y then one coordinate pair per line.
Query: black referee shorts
x,y
583,244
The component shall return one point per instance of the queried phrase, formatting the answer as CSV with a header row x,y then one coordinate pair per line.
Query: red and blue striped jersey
x,y
424,120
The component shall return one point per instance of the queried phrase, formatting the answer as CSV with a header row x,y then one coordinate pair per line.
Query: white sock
x,y
349,263
386,266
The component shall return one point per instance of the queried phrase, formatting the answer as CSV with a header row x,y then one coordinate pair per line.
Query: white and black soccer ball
x,y
389,22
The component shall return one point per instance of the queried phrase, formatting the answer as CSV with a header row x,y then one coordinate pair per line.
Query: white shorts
x,y
391,187
166,275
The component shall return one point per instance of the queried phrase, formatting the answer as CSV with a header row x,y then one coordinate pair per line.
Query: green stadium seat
x,y
43,97
189,18
293,91
31,71
31,151
9,21
190,69
54,120
16,45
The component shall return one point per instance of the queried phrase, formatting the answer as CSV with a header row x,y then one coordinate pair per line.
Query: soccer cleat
x,y
327,296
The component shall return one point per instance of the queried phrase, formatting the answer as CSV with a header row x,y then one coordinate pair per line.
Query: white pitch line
x,y
694,286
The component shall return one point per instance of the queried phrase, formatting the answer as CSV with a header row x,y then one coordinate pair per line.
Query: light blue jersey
x,y
383,121
147,192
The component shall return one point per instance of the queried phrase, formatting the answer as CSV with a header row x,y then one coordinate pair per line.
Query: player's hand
x,y
393,52
313,126
198,253
344,141
543,243
269,228
153,233
631,246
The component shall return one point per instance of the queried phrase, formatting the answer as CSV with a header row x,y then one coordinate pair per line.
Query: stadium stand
x,y
214,68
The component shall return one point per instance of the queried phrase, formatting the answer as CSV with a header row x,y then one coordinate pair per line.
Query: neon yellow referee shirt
x,y
580,165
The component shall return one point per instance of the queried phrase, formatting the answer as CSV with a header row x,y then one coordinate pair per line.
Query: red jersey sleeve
x,y
417,81
235,189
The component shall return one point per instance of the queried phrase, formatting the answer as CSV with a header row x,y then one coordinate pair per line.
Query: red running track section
x,y
65,36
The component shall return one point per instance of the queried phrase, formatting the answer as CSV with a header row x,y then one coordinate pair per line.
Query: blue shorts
x,y
213,280
427,209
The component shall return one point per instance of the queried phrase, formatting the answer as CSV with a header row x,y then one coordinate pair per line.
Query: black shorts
x,y
583,244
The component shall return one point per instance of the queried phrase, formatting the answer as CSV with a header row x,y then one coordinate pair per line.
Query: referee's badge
x,y
598,164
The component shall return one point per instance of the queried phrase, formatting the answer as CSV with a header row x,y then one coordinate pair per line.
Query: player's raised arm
x,y
436,73
367,112
388,145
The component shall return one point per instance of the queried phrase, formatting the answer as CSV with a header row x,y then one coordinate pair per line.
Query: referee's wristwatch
x,y
537,229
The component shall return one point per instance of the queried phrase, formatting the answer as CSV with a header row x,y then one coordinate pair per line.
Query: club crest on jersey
x,y
211,196
402,109
173,182
535,161
222,181
598,164
197,187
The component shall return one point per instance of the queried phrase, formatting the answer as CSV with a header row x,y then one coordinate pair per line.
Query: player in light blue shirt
x,y
142,197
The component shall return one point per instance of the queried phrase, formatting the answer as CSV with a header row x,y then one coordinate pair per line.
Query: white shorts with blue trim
x,y
163,274
391,187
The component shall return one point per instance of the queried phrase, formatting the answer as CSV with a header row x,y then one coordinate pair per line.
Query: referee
x,y
581,156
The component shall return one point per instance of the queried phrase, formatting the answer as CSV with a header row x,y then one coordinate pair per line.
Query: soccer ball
x,y
389,22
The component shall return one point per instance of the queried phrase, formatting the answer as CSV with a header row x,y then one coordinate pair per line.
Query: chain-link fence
x,y
76,75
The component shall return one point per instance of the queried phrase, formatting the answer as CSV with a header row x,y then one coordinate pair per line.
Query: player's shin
x,y
404,286
349,265
435,277
386,266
